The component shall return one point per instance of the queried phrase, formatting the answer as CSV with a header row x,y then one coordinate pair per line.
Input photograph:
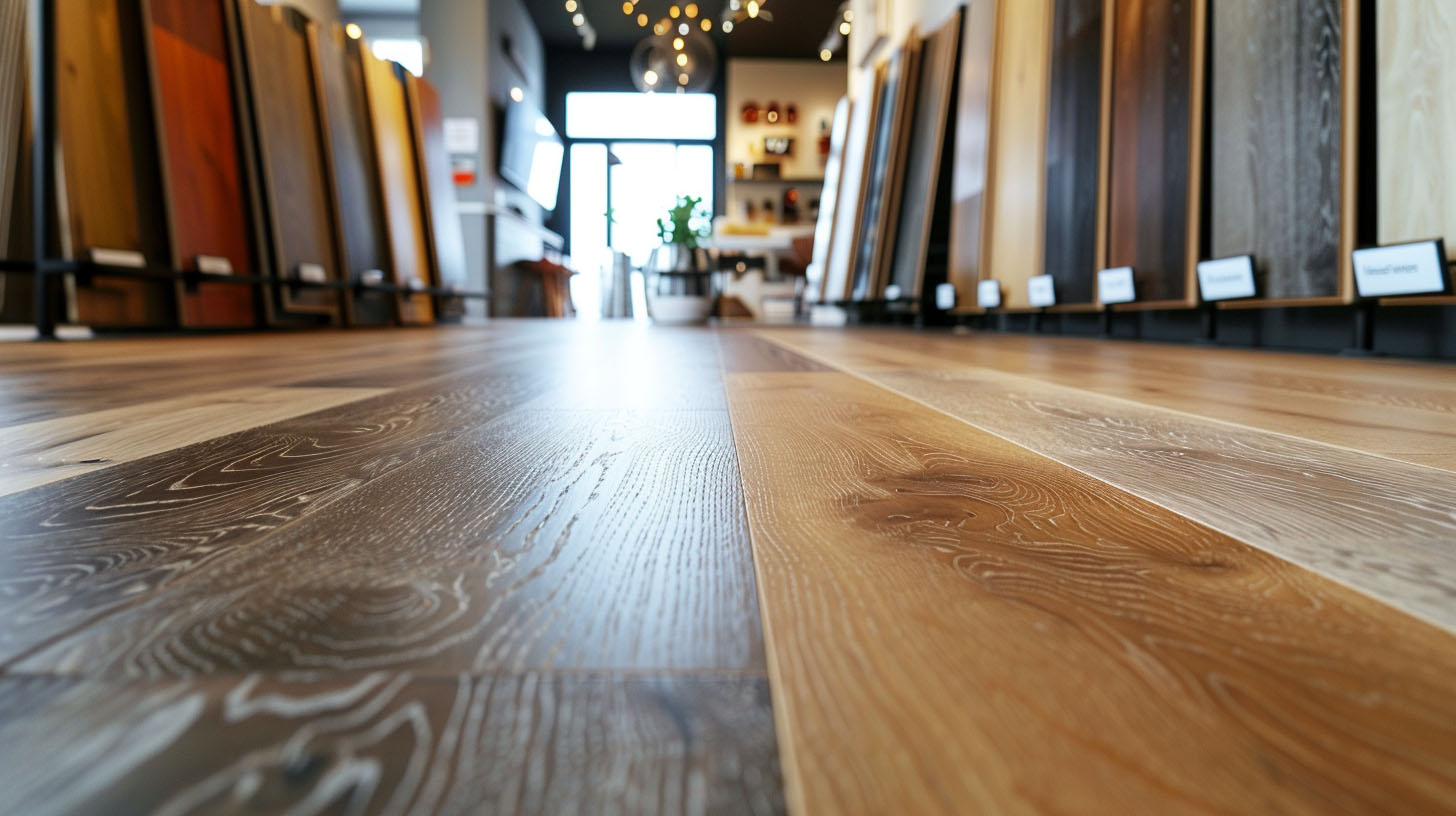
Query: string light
x,y
650,77
825,54
354,31
518,95
570,6
677,43
707,24
642,20
691,10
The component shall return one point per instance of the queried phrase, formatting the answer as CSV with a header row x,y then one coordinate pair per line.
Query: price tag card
x,y
214,265
988,294
892,292
1115,285
1226,278
118,257
1400,269
1041,291
313,273
945,297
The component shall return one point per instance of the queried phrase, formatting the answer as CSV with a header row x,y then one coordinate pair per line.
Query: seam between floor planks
x,y
1435,611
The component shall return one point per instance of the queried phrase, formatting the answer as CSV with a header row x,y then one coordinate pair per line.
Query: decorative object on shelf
x,y
766,171
771,115
791,113
680,285
679,56
750,113
790,207
778,146
739,170
617,288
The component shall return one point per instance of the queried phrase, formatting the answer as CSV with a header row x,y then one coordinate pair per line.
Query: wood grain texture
x,y
207,206
353,169
1072,250
972,152
876,219
828,202
1281,133
16,295
109,182
390,743
839,271
399,184
1155,179
1416,96
923,146
1016,181
1371,523
290,141
38,453
1081,649
446,238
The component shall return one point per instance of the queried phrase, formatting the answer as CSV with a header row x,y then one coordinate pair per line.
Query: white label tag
x,y
1115,285
1041,291
313,273
118,257
988,294
462,135
214,265
892,292
371,277
945,297
1401,269
1226,278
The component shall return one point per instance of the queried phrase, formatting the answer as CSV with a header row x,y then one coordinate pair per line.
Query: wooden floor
x,y
554,568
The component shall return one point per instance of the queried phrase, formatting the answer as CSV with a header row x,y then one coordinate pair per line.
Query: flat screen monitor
x,y
531,154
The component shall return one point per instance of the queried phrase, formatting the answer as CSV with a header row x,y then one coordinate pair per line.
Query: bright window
x,y
666,116
407,52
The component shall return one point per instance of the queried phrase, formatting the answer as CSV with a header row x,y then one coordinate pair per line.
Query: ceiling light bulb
x,y
674,12
354,31
825,54
650,77
642,20
752,8
683,29
682,59
570,5
707,24
691,10
849,15
677,43
844,29
727,26
578,19
627,8
682,79
660,28
518,95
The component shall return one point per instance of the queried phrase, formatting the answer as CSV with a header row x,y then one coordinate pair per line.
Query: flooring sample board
x,y
1416,81
1073,242
353,170
1016,182
299,208
17,302
442,214
972,152
1082,649
109,183
879,216
537,742
204,180
925,153
828,203
844,245
1155,179
399,184
1283,141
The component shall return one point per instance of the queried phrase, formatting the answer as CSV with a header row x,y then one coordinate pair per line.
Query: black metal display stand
x,y
47,271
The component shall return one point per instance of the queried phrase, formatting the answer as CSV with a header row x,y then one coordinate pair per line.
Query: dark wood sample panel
x,y
442,214
972,151
16,295
359,208
399,182
878,218
921,187
1155,171
109,182
204,180
299,206
1282,136
1073,249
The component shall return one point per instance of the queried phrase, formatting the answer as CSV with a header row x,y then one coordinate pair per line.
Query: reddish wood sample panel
x,y
447,239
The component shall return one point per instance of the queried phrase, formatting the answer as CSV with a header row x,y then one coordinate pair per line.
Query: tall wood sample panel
x,y
1416,142
299,208
972,152
844,241
16,296
446,237
1017,178
109,183
924,146
1155,178
829,201
1073,242
353,170
883,175
1283,140
399,184
204,180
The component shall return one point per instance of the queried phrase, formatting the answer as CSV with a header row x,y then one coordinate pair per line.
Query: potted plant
x,y
682,293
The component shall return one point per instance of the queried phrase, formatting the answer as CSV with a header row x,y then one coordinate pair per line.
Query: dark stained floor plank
x,y
389,743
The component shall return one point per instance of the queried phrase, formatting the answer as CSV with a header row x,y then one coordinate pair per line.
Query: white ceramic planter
x,y
679,310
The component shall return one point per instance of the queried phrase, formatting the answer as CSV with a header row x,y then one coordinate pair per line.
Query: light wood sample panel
x,y
1074,648
972,152
442,214
399,184
829,202
1155,181
1283,141
838,277
1016,180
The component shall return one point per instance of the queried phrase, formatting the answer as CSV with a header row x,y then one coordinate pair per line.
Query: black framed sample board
x,y
886,157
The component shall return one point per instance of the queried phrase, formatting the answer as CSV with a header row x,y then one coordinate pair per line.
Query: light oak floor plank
x,y
956,624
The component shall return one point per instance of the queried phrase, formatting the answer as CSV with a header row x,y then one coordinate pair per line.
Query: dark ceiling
x,y
798,29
